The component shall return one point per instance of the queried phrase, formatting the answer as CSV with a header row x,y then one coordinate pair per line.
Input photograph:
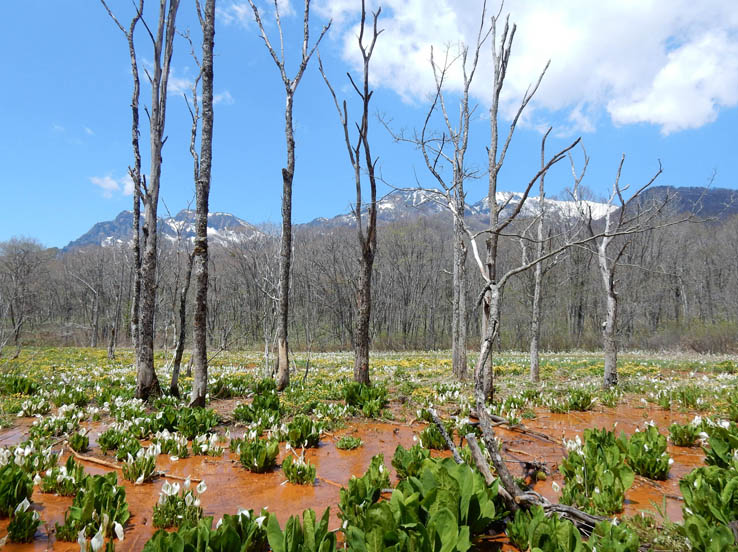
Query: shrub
x,y
407,462
595,473
65,480
348,442
370,400
646,453
196,421
100,499
79,441
15,487
24,523
176,508
259,455
243,532
307,536
363,491
299,471
303,432
683,435
142,467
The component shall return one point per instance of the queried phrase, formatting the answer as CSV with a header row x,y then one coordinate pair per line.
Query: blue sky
x,y
654,80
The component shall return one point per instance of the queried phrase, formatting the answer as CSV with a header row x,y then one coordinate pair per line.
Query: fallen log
x,y
98,461
513,496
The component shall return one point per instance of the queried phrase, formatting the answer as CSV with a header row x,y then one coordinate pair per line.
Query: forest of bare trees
x,y
667,299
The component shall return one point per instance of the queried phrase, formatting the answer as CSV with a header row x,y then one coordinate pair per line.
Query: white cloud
x,y
671,63
178,85
224,98
127,183
241,13
235,13
109,185
89,131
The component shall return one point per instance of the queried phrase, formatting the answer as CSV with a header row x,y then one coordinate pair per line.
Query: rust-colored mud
x,y
644,494
231,487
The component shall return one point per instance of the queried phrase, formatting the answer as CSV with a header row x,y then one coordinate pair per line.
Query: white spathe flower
x,y
97,541
82,541
166,488
220,522
140,480
202,487
260,520
37,480
196,503
188,499
186,483
555,487
118,529
23,506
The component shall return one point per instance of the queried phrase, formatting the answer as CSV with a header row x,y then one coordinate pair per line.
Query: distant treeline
x,y
678,289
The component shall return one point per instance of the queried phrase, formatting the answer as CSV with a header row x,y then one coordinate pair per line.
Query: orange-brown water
x,y
231,487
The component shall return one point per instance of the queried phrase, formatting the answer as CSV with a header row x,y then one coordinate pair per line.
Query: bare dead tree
x,y
162,40
622,221
367,238
535,323
451,194
497,151
200,251
134,171
115,326
288,173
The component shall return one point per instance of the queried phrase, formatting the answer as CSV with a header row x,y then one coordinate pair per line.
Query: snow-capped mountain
x,y
223,228
402,204
556,207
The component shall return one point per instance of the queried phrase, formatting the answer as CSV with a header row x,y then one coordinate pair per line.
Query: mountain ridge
x,y
225,228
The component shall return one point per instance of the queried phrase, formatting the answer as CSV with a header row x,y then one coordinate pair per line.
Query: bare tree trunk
x,y
285,252
95,319
458,345
200,252
136,302
147,383
609,327
609,337
134,171
535,323
363,307
182,334
368,238
116,316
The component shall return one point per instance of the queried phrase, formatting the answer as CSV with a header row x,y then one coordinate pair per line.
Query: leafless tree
x,y
368,238
623,219
118,259
451,193
20,262
288,173
134,171
162,41
204,163
497,151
